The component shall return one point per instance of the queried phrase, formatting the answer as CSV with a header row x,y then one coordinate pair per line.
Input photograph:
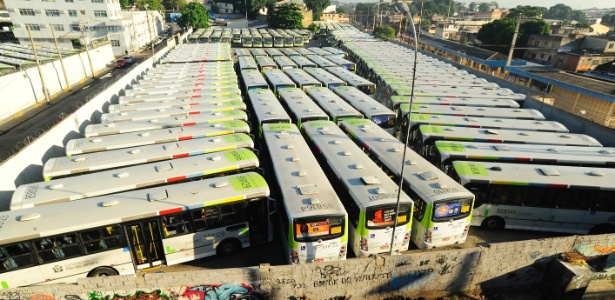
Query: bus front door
x,y
145,243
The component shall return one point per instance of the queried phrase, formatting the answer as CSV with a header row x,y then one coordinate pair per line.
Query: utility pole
x,y
87,50
53,33
38,65
134,31
514,40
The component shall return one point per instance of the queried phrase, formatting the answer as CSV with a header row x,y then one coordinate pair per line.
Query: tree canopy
x,y
286,16
484,7
527,12
194,14
174,4
317,6
609,18
564,12
430,7
384,32
497,35
255,5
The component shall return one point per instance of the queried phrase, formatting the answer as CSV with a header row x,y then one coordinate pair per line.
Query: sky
x,y
575,4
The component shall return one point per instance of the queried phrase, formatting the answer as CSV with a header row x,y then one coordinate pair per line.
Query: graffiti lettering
x,y
441,260
41,297
13,296
535,254
222,291
367,277
401,264
327,282
285,281
139,295
424,262
329,271
413,280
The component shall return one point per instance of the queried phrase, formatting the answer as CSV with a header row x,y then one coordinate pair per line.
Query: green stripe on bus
x,y
357,122
5,285
319,123
234,113
450,146
467,168
420,117
280,126
235,124
239,154
247,181
431,129
236,138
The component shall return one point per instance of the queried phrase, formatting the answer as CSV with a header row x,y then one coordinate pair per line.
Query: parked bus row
x,y
267,38
175,184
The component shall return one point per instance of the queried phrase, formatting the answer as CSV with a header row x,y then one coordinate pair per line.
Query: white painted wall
x,y
23,89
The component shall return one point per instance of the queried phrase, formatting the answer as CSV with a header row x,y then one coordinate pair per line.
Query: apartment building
x,y
76,23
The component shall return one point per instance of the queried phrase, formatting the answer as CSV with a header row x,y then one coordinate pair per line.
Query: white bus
x,y
273,52
160,136
353,79
442,207
471,111
346,64
300,107
369,195
314,222
396,101
369,107
302,79
135,177
278,80
97,161
178,96
132,231
284,62
93,130
336,51
576,200
126,107
447,152
252,80
319,51
266,108
321,62
290,52
424,139
416,120
246,63
303,51
327,79
333,105
258,52
239,52
265,63
171,112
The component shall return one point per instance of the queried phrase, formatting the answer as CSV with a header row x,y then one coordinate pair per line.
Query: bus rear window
x,y
451,209
386,121
382,217
318,229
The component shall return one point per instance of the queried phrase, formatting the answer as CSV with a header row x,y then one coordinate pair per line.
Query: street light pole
x,y
53,33
38,65
514,40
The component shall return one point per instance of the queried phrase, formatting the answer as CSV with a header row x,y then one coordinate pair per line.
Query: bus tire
x,y
228,247
602,229
493,223
103,271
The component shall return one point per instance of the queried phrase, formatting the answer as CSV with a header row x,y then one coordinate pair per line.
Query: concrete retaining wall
x,y
23,89
513,265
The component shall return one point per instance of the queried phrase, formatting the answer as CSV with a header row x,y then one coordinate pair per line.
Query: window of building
x,y
34,27
98,1
72,13
611,45
114,28
82,12
26,12
75,27
98,28
69,1
52,12
58,27
115,43
48,0
100,13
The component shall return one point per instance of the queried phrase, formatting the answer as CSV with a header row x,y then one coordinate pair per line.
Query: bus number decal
x,y
31,191
507,211
213,236
380,197
315,206
445,190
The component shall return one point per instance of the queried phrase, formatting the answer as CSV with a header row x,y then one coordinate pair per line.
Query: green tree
x,y
313,28
125,4
527,12
174,5
149,4
194,14
286,16
472,6
578,15
384,32
497,35
255,5
317,6
559,12
609,18
484,7
215,8
341,9
426,23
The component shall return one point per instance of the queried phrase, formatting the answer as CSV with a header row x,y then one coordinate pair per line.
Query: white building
x,y
76,22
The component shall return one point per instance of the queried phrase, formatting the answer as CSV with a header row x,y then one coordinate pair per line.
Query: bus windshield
x,y
455,209
367,89
383,217
385,121
318,229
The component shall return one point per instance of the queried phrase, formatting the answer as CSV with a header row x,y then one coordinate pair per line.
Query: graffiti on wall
x,y
245,291
588,249
413,279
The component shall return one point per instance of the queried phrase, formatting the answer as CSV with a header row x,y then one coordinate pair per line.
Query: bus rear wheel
x,y
493,223
228,247
103,271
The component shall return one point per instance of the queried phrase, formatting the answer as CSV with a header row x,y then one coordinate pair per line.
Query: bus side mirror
x,y
272,206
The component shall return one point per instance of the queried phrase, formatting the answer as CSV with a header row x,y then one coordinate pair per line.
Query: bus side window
x,y
231,213
175,225
480,193
419,208
603,201
16,256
